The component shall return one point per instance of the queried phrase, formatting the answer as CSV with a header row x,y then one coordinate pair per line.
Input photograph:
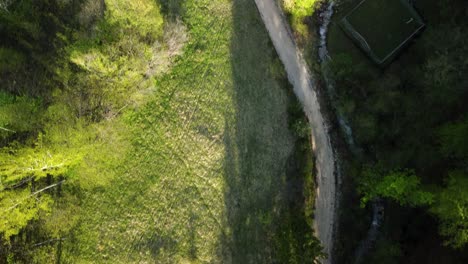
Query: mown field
x,y
213,167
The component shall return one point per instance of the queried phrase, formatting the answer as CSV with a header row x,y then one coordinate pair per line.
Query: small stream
x,y
324,57
325,16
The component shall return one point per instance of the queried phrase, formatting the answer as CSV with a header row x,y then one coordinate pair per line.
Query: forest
x,y
140,130
408,128
409,124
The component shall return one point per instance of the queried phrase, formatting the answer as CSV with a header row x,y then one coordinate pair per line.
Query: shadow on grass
x,y
172,8
265,161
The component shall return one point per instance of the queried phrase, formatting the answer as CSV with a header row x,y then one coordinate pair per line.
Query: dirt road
x,y
304,89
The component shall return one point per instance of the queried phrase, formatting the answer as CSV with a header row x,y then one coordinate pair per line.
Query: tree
x,y
18,207
4,4
22,173
18,114
451,207
402,186
454,141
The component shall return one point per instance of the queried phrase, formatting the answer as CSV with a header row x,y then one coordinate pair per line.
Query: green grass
x,y
384,25
213,172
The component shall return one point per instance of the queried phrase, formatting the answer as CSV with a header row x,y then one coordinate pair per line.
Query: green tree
x,y
26,174
10,60
18,207
451,207
18,114
402,186
454,141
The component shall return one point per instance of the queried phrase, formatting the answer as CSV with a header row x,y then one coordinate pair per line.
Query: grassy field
x,y
217,169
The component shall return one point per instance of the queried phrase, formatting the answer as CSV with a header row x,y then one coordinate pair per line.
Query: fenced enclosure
x,y
381,28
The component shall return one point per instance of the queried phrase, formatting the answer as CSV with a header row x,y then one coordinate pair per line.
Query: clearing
x,y
215,172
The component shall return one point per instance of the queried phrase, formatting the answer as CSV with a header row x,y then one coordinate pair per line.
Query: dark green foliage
x,y
295,242
297,123
387,252
37,25
454,140
18,115
413,115
451,208
10,60
35,31
172,8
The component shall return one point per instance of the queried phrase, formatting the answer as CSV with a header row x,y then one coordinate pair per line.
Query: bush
x,y
91,12
300,8
18,114
10,60
138,16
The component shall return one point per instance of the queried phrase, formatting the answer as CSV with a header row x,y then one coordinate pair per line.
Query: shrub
x,y
10,59
300,8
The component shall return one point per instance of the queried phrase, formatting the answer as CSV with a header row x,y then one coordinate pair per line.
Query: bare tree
x,y
33,194
4,4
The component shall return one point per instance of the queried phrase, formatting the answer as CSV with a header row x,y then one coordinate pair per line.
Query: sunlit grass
x,y
212,172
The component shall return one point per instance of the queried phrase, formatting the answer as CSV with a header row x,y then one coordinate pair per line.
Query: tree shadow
x,y
264,197
155,245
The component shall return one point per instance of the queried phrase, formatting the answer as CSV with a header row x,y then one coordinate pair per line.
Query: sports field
x,y
382,27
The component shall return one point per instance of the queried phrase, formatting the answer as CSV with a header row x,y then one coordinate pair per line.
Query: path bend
x,y
305,90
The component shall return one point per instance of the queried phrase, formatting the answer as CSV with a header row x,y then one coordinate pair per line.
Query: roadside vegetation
x,y
300,8
409,121
303,19
136,131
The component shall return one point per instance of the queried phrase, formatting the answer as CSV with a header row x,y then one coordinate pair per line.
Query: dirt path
x,y
304,89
